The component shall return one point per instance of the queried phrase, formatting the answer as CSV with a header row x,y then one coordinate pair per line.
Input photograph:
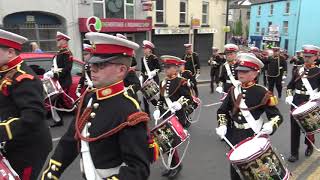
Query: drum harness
x,y
307,84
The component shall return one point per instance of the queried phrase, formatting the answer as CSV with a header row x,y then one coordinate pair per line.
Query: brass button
x,y
53,167
95,105
93,115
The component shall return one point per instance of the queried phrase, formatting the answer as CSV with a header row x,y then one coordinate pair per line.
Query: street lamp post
x,y
227,19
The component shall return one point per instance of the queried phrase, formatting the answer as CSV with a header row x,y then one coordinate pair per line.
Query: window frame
x,y
205,14
103,2
186,12
161,11
271,9
257,27
259,10
285,30
125,8
287,7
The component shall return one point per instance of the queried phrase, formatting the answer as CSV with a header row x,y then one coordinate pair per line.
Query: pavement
x,y
206,156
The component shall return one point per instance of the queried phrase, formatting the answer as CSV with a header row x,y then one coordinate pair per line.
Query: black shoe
x,y
211,92
166,172
57,124
293,158
309,151
175,172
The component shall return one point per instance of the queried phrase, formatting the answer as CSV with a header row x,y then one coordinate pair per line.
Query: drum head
x,y
304,107
248,148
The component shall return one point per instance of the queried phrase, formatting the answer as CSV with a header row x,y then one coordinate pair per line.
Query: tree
x,y
237,28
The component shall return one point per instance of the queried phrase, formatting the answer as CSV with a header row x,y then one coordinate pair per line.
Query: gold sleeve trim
x,y
7,126
133,100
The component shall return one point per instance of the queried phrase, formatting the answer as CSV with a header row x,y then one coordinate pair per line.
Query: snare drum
x,y
51,87
308,115
255,159
169,134
194,104
6,171
150,90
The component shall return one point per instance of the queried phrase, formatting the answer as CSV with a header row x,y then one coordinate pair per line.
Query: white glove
x,y
152,74
175,106
289,99
221,131
219,89
156,114
284,77
214,63
141,80
78,94
189,83
197,75
48,74
267,128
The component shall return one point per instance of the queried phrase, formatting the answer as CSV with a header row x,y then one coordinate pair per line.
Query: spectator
x,y
35,47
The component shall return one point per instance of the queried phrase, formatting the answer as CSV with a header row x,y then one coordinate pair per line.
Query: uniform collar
x,y
232,62
110,91
172,77
11,64
63,47
248,84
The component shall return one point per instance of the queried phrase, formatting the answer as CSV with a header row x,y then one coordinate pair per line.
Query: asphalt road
x,y
206,156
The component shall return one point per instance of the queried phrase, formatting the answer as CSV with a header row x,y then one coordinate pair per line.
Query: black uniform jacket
x,y
192,63
64,61
22,114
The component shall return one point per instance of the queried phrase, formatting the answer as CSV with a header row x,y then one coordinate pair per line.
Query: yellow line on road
x,y
305,165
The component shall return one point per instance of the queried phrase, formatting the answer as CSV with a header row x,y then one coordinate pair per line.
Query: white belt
x,y
245,125
297,91
109,172
229,81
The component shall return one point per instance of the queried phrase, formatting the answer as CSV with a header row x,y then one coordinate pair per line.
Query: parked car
x,y
42,62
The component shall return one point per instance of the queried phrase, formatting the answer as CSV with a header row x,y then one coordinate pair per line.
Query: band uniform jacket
x,y
153,63
276,66
132,84
22,113
192,82
64,61
174,89
111,106
296,84
224,79
192,63
83,82
258,100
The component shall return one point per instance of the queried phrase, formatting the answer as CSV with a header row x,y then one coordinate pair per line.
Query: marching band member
x,y
131,82
85,77
62,66
191,80
172,88
150,67
116,144
297,61
215,62
246,102
23,127
305,81
276,70
192,63
228,74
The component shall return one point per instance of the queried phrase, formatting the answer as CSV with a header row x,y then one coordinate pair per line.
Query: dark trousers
x,y
275,81
28,165
295,128
214,74
264,77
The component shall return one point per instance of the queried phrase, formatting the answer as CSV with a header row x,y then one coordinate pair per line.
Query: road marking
x,y
56,139
305,165
213,104
314,175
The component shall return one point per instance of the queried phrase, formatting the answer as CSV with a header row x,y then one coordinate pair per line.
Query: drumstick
x,y
295,106
258,135
228,142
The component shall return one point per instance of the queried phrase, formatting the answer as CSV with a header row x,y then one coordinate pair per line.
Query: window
x,y
271,9
115,8
258,27
269,24
259,10
129,9
285,27
248,15
205,13
287,10
183,11
160,11
99,8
